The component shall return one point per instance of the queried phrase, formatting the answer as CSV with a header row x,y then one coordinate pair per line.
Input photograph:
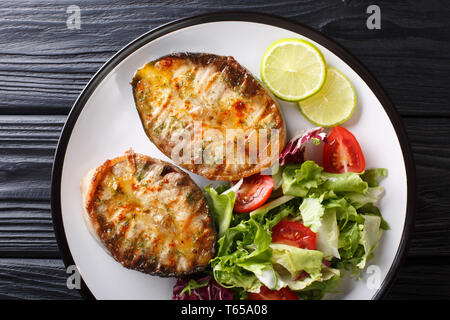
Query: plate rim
x,y
243,16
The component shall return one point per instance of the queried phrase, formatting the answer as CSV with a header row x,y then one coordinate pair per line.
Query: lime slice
x,y
293,69
333,104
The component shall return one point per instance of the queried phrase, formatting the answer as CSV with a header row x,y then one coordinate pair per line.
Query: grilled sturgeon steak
x,y
175,93
149,215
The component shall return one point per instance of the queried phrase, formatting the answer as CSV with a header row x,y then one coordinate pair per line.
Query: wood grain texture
x,y
34,279
44,66
421,281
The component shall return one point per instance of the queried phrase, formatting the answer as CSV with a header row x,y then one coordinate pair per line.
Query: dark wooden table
x,y
44,65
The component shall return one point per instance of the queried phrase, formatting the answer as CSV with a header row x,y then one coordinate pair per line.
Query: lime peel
x,y
334,104
286,69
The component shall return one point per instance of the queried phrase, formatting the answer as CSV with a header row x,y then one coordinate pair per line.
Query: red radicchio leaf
x,y
326,263
294,152
211,291
302,275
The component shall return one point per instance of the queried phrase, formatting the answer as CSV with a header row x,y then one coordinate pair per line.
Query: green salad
x,y
338,208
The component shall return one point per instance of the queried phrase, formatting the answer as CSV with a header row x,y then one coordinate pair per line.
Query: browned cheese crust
x,y
149,215
175,92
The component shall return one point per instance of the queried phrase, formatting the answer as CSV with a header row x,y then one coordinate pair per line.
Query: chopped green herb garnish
x,y
190,197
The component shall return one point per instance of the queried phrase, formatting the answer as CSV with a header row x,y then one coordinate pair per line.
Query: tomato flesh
x,y
343,153
267,294
253,193
294,234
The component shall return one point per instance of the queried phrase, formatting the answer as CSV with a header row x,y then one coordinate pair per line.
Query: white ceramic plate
x,y
104,123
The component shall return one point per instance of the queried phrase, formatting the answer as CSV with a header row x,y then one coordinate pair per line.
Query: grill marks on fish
x,y
138,208
176,91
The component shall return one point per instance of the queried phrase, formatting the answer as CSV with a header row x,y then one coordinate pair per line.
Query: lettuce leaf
x,y
370,235
312,211
350,248
291,262
359,200
243,253
373,176
221,208
345,212
370,209
295,260
271,205
299,179
328,235
344,182
331,279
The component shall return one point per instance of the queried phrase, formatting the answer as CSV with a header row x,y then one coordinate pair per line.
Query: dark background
x,y
44,66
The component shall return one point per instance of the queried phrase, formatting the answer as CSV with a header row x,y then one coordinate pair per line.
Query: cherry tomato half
x,y
254,191
294,234
267,294
342,153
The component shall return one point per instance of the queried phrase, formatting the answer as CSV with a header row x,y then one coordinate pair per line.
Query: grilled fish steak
x,y
149,215
176,92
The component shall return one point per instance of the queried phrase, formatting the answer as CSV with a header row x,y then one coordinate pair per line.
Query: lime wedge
x,y
333,104
293,69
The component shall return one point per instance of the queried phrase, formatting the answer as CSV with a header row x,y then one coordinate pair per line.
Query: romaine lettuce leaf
x,y
312,211
221,208
370,235
328,235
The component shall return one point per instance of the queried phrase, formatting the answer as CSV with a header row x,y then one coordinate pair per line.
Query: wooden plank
x,y
26,230
34,279
431,147
43,72
423,281
27,145
46,279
